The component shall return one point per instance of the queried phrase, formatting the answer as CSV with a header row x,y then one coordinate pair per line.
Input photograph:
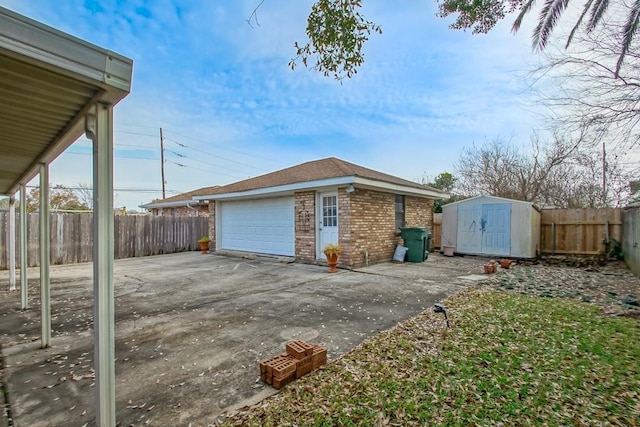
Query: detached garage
x,y
297,211
492,226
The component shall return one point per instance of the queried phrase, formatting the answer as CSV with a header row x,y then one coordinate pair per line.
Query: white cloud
x,y
221,87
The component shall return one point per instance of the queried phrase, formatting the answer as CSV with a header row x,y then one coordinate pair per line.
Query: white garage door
x,y
263,225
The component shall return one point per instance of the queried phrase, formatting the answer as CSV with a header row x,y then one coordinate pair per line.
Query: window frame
x,y
399,209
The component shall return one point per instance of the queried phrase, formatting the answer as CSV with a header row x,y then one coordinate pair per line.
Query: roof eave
x,y
289,189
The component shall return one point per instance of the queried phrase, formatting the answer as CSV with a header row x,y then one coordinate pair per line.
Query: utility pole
x,y
604,174
162,161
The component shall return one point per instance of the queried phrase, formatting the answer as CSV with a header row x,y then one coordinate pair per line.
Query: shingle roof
x,y
312,171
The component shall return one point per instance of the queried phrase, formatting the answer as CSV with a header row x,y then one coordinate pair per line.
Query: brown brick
x,y
277,367
299,349
280,382
305,226
303,366
319,357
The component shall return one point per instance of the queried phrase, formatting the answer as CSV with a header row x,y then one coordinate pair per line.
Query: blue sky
x,y
231,108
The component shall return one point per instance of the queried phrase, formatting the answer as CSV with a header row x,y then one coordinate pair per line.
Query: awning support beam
x,y
45,242
99,128
12,242
24,284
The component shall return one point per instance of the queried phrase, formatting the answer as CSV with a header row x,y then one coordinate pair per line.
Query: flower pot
x,y
489,268
332,261
204,247
505,263
448,250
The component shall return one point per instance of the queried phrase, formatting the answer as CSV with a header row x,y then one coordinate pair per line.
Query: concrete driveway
x,y
191,329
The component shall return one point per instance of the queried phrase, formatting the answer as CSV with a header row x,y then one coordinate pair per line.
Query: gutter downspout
x,y
188,205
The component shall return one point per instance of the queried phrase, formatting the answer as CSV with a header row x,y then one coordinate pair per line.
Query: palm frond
x,y
630,28
587,6
549,15
525,9
597,12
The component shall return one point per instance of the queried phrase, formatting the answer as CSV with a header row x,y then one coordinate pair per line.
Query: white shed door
x,y
469,229
496,233
484,229
262,225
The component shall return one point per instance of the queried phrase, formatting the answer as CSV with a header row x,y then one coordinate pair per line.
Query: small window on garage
x,y
399,211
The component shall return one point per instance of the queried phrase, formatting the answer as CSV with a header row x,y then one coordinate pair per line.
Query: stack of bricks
x,y
299,359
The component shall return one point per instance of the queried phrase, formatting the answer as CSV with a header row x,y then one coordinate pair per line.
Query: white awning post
x,y
24,284
45,242
99,128
12,242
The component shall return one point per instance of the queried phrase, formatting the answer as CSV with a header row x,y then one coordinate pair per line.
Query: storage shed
x,y
492,226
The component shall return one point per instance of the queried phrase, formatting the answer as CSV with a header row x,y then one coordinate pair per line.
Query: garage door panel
x,y
264,226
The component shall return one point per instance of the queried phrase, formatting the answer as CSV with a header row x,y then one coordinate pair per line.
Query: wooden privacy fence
x,y
134,236
631,243
436,233
579,231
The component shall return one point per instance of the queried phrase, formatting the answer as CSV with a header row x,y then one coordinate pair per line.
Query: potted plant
x,y
448,249
204,244
505,263
332,251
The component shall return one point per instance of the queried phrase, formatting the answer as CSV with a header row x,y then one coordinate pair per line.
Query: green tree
x,y
446,182
482,16
337,30
61,198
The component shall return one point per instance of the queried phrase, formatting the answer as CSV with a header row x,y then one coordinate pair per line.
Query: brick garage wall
x,y
418,212
305,226
366,224
212,225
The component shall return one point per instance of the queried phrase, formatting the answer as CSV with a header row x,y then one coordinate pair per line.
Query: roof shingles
x,y
313,171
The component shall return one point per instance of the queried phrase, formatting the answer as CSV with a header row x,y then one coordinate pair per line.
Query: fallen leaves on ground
x,y
509,359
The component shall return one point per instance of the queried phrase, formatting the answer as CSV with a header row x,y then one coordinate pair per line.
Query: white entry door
x,y
328,216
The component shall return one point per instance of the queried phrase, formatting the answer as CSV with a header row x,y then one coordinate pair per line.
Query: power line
x,y
205,163
115,155
204,170
123,190
213,155
136,133
227,148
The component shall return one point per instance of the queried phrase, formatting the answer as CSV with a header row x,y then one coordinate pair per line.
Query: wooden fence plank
x,y
579,231
72,237
436,233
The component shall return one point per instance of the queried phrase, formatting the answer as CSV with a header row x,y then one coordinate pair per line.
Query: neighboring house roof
x,y
320,173
182,199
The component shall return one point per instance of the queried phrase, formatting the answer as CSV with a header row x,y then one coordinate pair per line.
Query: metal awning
x,y
49,81
53,88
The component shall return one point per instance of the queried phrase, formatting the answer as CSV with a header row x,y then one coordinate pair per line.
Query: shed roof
x,y
50,80
493,198
323,172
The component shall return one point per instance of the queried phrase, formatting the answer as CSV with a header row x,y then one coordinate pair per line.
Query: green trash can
x,y
418,241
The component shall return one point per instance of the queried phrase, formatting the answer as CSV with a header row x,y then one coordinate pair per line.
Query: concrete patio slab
x,y
191,329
